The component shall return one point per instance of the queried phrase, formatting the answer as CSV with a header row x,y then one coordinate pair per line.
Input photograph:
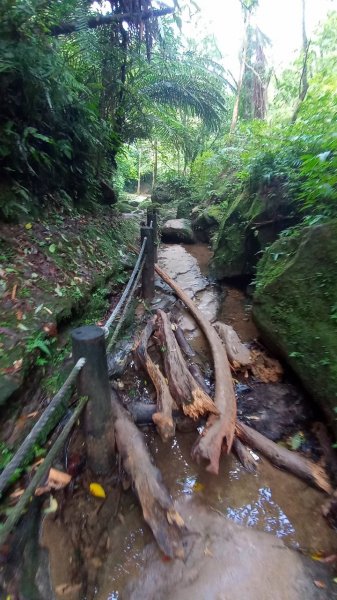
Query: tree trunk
x,y
99,20
304,85
219,431
155,163
158,510
163,416
183,387
139,170
241,74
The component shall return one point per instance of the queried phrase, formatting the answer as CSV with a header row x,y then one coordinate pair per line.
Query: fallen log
x,y
183,343
284,458
182,385
244,456
163,416
238,355
158,510
198,376
219,431
142,415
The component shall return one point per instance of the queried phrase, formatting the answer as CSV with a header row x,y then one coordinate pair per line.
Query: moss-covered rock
x,y
295,308
206,221
249,224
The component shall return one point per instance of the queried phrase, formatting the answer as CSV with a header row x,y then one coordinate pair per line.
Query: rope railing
x,y
15,515
31,438
126,306
93,382
123,297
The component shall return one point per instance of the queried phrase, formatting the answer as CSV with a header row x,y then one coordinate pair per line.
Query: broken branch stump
x,y
163,416
219,431
183,387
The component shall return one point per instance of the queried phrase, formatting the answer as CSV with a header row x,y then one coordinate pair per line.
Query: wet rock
x,y
275,410
206,222
118,360
178,231
295,309
227,560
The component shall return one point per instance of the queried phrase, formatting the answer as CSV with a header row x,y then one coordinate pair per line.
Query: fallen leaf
x,y
15,287
17,494
198,487
19,315
57,480
50,329
320,584
52,508
17,364
97,490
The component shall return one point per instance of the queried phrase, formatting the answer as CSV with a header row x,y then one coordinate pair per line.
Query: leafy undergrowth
x,y
47,270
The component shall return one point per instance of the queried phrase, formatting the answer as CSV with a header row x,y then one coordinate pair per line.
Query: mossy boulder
x,y
206,221
295,308
176,190
249,224
178,231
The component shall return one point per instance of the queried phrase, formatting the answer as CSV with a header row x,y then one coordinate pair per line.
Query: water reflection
x,y
264,513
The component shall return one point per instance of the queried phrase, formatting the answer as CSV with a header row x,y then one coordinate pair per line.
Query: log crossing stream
x,y
270,501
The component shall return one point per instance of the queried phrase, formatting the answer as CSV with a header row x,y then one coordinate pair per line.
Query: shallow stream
x,y
272,501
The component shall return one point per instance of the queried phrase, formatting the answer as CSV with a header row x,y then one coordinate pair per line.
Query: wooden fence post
x,y
93,381
152,216
148,268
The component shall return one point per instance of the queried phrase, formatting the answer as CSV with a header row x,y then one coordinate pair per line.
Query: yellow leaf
x,y
28,226
198,487
97,490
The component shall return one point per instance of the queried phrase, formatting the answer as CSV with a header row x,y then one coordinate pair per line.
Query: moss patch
x,y
295,307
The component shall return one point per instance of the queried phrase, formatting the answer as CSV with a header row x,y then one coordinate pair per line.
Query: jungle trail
x,y
168,299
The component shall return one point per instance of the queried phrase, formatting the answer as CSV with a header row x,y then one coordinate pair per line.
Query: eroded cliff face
x,y
295,308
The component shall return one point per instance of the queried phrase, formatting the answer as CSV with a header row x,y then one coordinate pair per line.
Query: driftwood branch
x,y
183,343
183,387
99,20
283,458
158,510
163,416
219,431
244,456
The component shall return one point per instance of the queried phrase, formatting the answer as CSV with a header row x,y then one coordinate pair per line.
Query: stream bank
x,y
271,502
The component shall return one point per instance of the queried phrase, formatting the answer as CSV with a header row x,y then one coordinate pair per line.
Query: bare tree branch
x,y
99,20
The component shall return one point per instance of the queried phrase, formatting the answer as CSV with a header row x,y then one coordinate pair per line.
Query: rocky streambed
x,y
250,535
